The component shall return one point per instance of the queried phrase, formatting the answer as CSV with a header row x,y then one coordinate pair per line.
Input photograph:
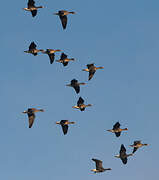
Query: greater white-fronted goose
x,y
81,105
117,130
76,85
31,115
64,124
64,60
91,69
33,50
32,8
99,166
51,54
63,17
137,144
123,156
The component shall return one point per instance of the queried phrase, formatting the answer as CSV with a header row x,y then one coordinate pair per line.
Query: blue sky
x,y
120,35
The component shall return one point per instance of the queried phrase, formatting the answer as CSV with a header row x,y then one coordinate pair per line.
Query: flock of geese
x,y
91,68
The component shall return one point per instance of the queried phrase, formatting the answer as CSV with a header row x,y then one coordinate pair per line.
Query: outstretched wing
x,y
117,134
80,101
98,164
65,63
34,13
135,149
124,160
52,57
31,117
90,65
77,88
32,46
64,126
31,3
63,56
116,126
73,82
63,19
123,156
91,73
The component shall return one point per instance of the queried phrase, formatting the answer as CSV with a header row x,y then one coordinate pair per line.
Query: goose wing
x,y
117,134
32,46
31,117
34,13
63,19
75,85
52,57
91,73
80,101
90,65
65,63
64,126
98,164
31,3
63,56
116,126
123,155
135,149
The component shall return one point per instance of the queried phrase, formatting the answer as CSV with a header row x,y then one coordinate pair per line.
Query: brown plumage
x,y
137,145
63,17
117,130
64,60
91,69
33,50
31,115
122,154
64,124
76,85
99,166
32,8
81,105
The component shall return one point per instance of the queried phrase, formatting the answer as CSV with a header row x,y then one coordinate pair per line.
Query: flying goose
x,y
81,105
64,60
76,85
31,115
51,54
99,166
91,69
33,50
63,17
64,124
117,130
32,8
137,144
123,156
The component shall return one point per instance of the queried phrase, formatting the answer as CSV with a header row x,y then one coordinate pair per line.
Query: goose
x,y
64,124
32,8
117,130
91,69
81,105
76,85
33,50
31,115
64,60
51,54
123,156
63,17
99,166
136,145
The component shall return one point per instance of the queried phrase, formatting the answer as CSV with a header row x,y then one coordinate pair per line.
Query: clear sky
x,y
122,36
